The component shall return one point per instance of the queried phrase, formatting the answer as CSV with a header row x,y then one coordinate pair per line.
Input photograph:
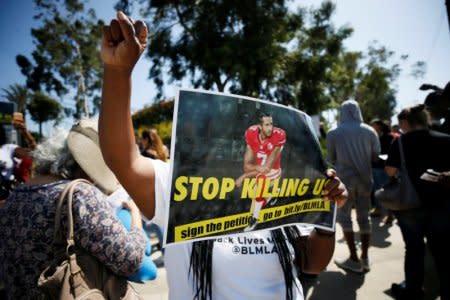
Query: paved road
x,y
386,254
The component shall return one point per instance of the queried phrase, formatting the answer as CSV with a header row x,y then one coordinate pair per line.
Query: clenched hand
x,y
123,42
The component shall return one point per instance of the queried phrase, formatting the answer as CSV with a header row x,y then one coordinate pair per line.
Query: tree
x,y
155,114
17,94
255,48
374,91
306,75
260,48
218,44
370,78
343,77
66,54
43,108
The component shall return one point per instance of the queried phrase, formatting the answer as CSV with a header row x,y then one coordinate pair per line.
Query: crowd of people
x,y
111,157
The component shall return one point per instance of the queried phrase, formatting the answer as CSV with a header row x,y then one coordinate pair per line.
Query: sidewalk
x,y
386,255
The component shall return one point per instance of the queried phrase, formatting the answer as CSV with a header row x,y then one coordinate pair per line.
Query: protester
x,y
438,105
423,149
152,145
380,177
395,131
22,169
15,161
207,269
82,142
27,222
352,147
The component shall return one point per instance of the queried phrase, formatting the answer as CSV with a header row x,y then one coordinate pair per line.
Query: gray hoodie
x,y
353,145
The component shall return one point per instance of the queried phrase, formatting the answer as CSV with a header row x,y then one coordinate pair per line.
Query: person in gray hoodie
x,y
352,147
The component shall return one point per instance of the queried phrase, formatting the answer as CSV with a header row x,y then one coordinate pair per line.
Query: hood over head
x,y
350,112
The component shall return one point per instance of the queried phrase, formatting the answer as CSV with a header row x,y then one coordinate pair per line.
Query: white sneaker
x,y
349,265
365,263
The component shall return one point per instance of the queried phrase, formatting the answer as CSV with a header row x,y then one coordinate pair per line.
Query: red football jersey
x,y
262,149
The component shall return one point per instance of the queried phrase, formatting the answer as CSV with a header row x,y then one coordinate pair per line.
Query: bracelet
x,y
324,233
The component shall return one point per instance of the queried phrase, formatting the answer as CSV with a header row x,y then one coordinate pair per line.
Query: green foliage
x,y
17,94
343,76
374,91
261,49
164,131
219,44
155,114
43,108
307,72
66,54
370,78
37,136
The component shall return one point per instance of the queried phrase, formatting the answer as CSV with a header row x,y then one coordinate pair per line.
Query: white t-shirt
x,y
245,266
7,158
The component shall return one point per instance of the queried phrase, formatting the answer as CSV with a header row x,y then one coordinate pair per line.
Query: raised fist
x,y
123,42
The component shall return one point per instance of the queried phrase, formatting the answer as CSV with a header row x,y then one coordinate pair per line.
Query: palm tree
x,y
18,94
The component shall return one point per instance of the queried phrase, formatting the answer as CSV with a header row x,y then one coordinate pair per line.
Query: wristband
x,y
324,233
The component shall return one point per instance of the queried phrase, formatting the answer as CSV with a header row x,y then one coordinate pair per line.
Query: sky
x,y
418,28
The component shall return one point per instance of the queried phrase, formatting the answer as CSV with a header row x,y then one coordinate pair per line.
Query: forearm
x,y
320,250
118,143
251,169
30,140
136,220
115,126
272,157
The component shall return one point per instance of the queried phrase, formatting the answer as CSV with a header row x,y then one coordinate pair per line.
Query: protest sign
x,y
214,135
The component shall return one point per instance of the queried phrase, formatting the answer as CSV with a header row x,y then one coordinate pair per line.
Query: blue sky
x,y
418,28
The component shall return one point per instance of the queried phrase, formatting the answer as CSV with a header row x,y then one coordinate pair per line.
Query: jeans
x,y
434,225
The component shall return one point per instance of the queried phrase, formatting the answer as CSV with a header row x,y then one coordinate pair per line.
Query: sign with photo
x,y
241,164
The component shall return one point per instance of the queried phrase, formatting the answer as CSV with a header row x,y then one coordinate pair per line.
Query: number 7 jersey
x,y
263,148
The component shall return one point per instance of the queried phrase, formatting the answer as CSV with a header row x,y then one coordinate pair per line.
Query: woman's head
x,y
75,154
413,118
83,143
151,140
52,156
146,140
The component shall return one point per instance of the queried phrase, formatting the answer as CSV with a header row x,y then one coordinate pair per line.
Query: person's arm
x,y
319,251
276,152
120,250
321,243
250,166
393,160
136,219
21,152
122,44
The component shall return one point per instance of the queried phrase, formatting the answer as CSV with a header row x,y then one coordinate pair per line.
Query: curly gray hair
x,y
52,156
